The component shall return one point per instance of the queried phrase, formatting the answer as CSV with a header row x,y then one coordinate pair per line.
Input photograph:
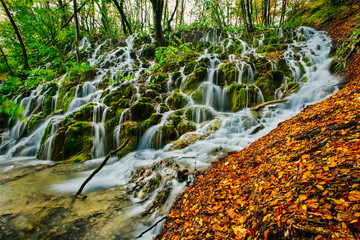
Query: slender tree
x,y
5,59
158,7
125,23
77,31
172,15
26,62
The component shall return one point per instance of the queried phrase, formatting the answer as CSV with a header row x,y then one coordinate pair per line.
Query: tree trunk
x,y
126,25
283,11
5,59
77,32
172,15
26,63
158,7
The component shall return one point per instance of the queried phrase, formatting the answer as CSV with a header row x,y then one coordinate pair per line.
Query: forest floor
x,y
302,180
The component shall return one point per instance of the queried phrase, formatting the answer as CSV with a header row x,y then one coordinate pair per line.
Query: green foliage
x,y
9,108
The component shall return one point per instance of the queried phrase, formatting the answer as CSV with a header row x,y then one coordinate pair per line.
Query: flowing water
x,y
218,131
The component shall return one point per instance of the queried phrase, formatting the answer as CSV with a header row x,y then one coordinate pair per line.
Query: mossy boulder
x,y
120,98
153,120
34,121
202,46
176,101
227,74
236,47
141,110
241,96
192,81
269,82
78,142
189,67
74,77
85,113
48,101
185,126
57,146
129,130
149,51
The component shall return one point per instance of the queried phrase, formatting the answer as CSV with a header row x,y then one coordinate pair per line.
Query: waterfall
x,y
215,128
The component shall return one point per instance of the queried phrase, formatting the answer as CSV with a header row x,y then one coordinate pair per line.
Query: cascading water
x,y
218,129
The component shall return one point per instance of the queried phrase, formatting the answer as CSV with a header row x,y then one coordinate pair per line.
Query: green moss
x,y
264,84
194,80
153,120
111,123
85,113
48,102
176,101
141,110
185,126
202,46
197,95
130,130
227,74
78,142
189,67
164,108
34,121
237,97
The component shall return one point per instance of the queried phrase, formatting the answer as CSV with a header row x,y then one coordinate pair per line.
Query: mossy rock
x,y
65,97
241,96
185,126
34,121
130,130
192,81
237,97
141,110
168,134
158,77
149,51
85,113
153,120
164,108
227,74
202,46
189,67
74,77
57,146
197,95
176,101
266,87
119,97
48,101
284,68
235,47
78,142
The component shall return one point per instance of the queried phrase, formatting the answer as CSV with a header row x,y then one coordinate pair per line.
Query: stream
x,y
121,198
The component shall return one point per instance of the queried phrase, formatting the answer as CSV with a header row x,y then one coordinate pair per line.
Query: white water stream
x,y
237,130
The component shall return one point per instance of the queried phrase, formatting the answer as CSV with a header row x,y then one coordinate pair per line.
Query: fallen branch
x,y
112,152
315,131
151,227
260,106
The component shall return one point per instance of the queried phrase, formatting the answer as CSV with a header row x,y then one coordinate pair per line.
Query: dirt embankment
x,y
302,180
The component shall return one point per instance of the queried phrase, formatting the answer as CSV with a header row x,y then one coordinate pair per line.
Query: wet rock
x,y
78,142
153,120
176,101
192,81
141,110
130,130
